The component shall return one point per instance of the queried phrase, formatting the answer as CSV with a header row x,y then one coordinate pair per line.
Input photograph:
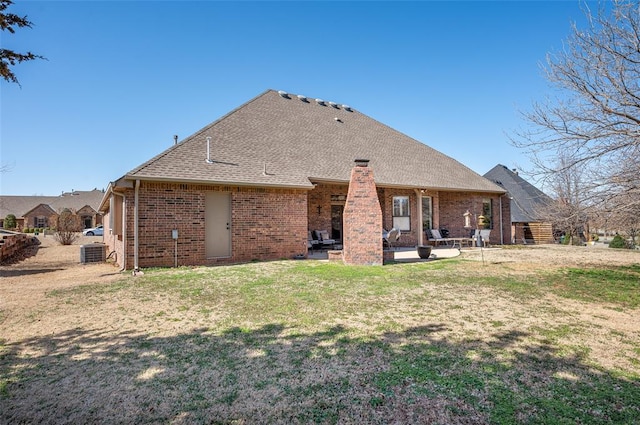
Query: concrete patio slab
x,y
402,254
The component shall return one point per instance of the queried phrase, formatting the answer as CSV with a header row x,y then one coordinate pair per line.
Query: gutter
x,y
309,186
124,229
136,270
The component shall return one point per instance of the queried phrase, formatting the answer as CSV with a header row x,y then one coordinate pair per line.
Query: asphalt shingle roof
x,y
20,205
527,200
299,141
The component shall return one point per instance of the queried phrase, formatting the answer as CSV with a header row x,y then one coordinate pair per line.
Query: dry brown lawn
x,y
88,344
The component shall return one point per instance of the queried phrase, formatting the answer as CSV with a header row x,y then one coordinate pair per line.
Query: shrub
x,y
66,234
10,222
618,242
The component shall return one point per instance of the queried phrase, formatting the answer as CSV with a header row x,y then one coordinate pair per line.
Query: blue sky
x,y
122,77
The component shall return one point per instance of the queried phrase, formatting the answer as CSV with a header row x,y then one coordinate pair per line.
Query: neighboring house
x,y
43,211
250,185
527,206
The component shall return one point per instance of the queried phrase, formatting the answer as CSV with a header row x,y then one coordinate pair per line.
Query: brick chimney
x,y
362,219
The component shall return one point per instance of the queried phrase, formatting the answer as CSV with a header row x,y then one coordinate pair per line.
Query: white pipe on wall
x,y
135,227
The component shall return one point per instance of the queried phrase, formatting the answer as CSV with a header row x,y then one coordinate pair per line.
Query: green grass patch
x,y
617,285
537,387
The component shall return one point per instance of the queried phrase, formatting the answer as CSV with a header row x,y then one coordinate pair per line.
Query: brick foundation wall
x,y
362,220
267,224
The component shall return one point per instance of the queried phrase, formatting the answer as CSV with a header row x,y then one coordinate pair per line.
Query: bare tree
x,y
66,230
625,218
569,210
595,119
9,58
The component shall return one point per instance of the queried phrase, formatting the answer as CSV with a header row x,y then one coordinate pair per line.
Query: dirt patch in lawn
x,y
51,266
553,256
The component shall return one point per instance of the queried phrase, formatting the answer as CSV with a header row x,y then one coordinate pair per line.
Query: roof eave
x,y
133,178
404,186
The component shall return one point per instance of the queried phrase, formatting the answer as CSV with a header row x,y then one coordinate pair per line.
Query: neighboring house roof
x,y
290,141
40,209
527,200
75,200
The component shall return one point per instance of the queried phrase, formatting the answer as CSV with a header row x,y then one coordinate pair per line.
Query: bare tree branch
x,y
593,125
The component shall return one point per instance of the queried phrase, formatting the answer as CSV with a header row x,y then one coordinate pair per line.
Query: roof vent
x,y
334,104
347,108
321,102
208,160
302,98
284,94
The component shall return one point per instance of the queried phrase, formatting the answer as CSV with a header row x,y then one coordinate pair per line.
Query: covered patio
x,y
400,254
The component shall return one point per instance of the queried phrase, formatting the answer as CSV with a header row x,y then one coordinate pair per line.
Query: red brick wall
x,y
362,220
267,224
453,205
40,211
321,197
408,237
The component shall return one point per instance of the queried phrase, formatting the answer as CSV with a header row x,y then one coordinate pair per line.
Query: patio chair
x,y
311,243
436,237
484,237
322,236
390,237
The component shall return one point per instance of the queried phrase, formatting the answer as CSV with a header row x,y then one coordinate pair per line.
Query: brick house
x,y
250,185
528,204
43,211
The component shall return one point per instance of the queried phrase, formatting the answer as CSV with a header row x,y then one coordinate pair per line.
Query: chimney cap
x,y
361,162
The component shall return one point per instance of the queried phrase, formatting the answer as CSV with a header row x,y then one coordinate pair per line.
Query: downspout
x,y
501,223
420,224
135,228
124,230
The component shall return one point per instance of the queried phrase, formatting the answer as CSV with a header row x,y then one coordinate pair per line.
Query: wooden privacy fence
x,y
533,233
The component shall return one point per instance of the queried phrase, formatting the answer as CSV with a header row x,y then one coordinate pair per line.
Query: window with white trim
x,y
401,213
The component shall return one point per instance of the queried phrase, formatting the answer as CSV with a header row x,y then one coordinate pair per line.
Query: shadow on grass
x,y
274,375
27,272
